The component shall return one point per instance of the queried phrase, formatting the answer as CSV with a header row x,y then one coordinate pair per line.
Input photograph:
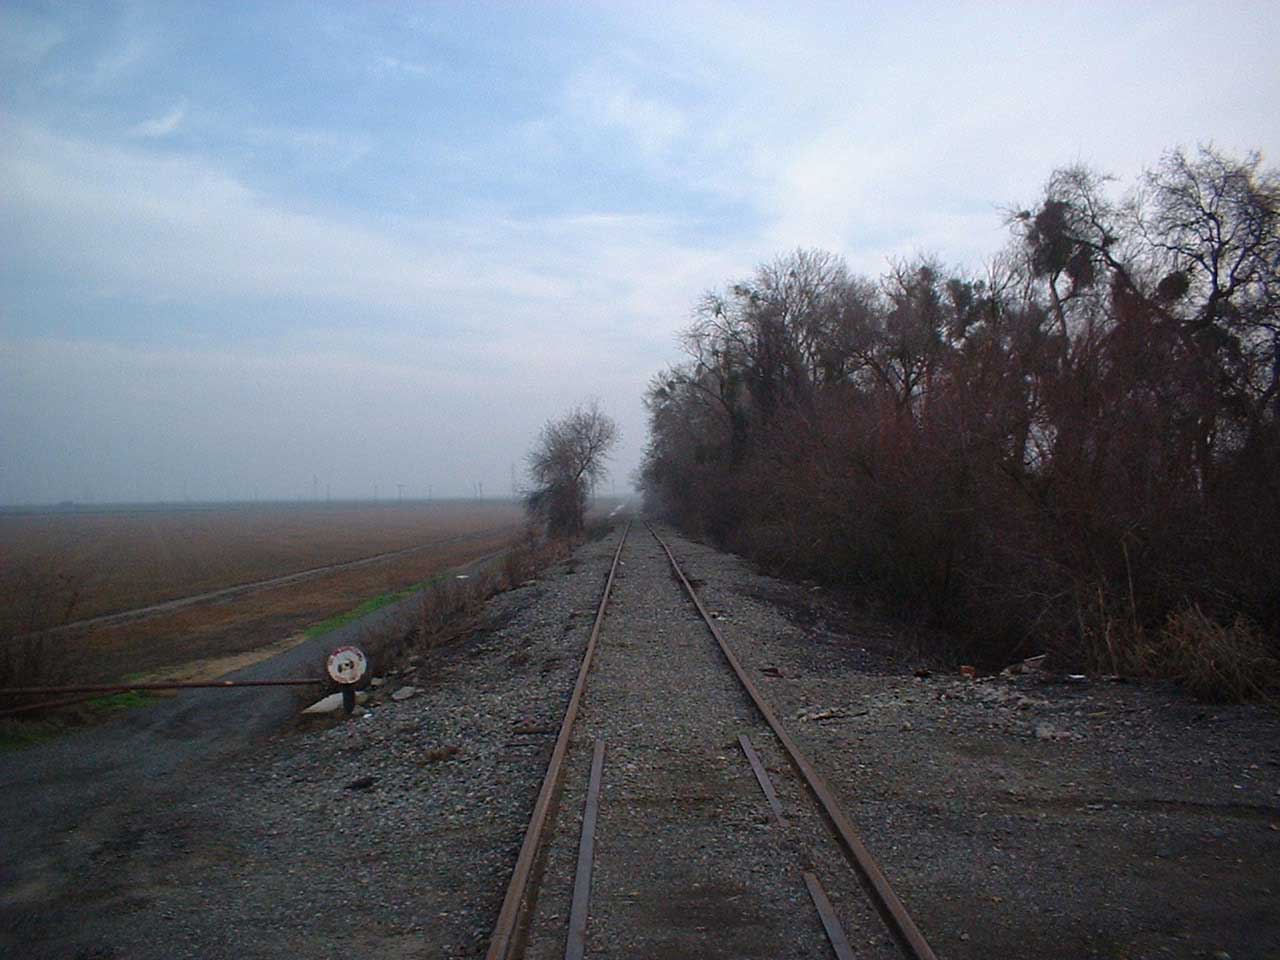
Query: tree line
x,y
1076,449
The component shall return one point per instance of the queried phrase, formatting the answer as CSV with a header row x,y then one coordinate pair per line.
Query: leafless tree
x,y
565,465
1069,450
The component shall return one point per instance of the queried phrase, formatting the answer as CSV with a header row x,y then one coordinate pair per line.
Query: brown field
x,y
122,559
127,559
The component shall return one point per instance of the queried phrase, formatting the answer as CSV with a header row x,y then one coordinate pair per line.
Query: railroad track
x,y
660,828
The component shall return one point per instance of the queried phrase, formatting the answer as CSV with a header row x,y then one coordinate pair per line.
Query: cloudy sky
x,y
245,246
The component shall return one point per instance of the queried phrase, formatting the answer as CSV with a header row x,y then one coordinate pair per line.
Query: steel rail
x,y
887,901
576,945
503,937
827,914
830,922
762,778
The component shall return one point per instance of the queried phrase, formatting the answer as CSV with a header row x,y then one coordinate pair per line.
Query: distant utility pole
x,y
375,491
428,493
400,493
326,493
515,495
315,487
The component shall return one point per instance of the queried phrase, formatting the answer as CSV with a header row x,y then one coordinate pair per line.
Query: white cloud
x,y
163,125
410,67
487,318
126,222
601,97
892,129
118,61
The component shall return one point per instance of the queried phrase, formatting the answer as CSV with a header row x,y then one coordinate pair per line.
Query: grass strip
x,y
369,606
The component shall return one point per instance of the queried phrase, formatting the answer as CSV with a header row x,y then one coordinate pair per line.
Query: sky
x,y
259,250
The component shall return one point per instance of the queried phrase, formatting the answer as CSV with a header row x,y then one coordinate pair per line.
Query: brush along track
x,y
689,857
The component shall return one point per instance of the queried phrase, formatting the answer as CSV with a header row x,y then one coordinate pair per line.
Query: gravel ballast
x,y
1017,817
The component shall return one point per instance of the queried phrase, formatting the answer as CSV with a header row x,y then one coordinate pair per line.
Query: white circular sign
x,y
347,664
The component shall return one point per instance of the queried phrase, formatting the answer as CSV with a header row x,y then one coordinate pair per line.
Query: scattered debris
x,y
440,753
1047,731
773,672
404,693
968,672
530,729
818,715
1029,665
363,783
923,673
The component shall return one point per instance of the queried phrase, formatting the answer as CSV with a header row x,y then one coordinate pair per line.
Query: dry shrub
x,y
449,606
521,562
445,602
1214,662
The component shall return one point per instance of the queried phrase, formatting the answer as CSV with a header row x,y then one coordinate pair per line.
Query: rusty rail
x,y
503,938
886,900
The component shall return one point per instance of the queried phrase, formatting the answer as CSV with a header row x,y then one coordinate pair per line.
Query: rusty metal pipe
x,y
48,705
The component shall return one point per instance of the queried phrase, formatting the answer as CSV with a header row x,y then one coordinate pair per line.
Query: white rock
x,y
404,693
333,702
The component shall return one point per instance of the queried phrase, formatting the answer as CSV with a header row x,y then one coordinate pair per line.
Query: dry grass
x,y
1214,662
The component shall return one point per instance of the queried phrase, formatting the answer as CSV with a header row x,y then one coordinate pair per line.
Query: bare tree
x,y
565,465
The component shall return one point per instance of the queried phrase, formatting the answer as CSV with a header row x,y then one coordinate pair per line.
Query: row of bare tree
x,y
1071,449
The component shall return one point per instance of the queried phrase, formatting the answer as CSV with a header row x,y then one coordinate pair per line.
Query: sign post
x,y
347,666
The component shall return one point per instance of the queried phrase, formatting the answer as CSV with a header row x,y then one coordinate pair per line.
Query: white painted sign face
x,y
347,664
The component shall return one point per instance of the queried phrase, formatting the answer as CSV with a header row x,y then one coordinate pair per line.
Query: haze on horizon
x,y
332,247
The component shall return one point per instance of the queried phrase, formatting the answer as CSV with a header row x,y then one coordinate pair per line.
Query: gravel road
x,y
1020,817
